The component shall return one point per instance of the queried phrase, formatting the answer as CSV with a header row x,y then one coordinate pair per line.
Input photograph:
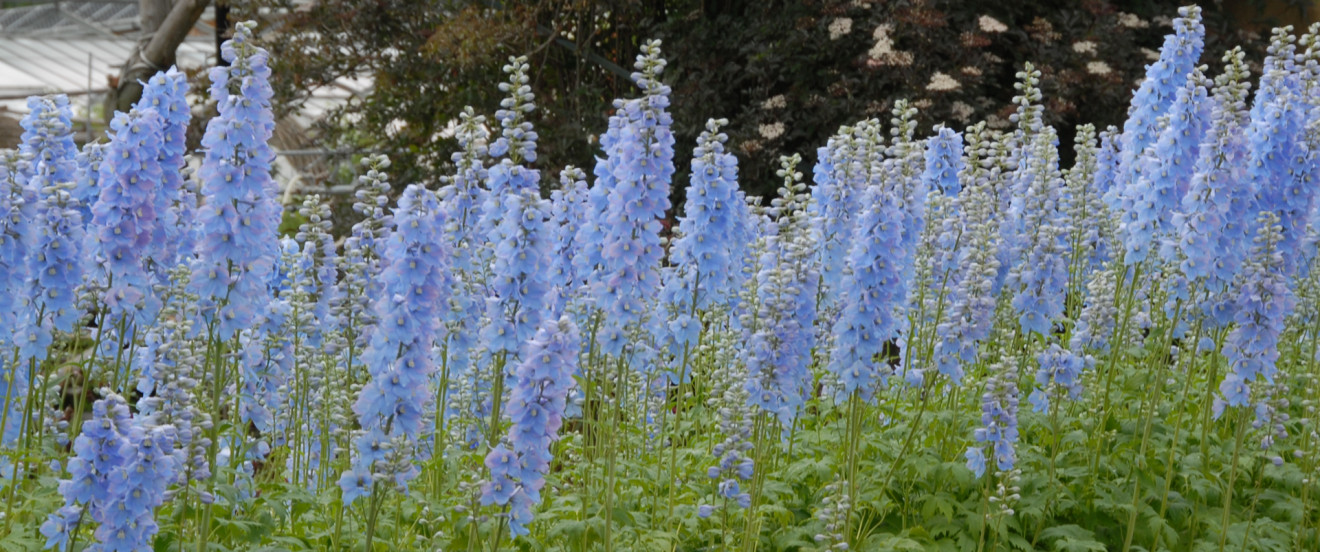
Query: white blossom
x,y
991,25
1098,68
1131,21
962,111
883,52
772,130
941,82
777,102
840,27
1084,47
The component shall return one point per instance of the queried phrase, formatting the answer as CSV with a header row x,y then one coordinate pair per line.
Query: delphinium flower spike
x,y
175,203
728,397
840,182
871,293
126,218
17,237
635,178
568,211
360,264
239,216
56,267
1157,92
944,161
99,450
1279,164
1262,301
47,143
1166,173
119,476
461,199
705,264
707,216
1088,217
520,280
536,406
168,387
17,234
1210,223
516,145
836,507
391,405
998,435
312,296
902,176
937,250
1039,275
779,352
971,290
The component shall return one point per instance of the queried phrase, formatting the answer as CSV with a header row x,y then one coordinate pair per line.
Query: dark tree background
x,y
785,73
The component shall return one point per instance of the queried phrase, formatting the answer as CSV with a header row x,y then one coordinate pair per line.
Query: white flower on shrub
x,y
1150,54
777,102
883,53
1131,21
991,25
840,27
962,111
941,82
772,130
1085,47
1098,68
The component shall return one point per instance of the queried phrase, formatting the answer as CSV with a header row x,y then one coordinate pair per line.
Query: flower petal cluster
x,y
840,182
633,180
392,405
778,356
705,262
971,298
126,217
998,435
239,216
568,213
1058,375
1153,98
1039,275
1211,223
175,203
118,476
1166,172
1262,301
519,284
536,407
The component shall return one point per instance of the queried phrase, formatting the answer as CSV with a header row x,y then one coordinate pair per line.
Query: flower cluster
x,y
239,215
632,185
125,215
779,350
1261,303
1152,100
391,407
536,407
118,477
999,419
971,296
